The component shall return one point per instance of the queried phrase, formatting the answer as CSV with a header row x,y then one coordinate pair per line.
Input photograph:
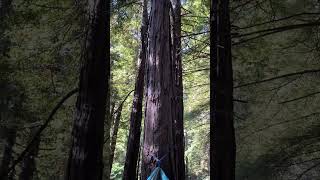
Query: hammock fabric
x,y
158,174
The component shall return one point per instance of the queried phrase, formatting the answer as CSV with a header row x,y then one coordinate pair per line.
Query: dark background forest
x,y
275,49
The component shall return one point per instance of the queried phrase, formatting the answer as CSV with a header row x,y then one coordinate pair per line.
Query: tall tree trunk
x,y
85,158
113,105
158,135
187,169
29,164
5,8
222,137
107,139
8,134
178,92
115,135
7,157
132,154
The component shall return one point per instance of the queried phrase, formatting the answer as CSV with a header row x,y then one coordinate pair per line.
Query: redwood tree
x,y
158,135
178,127
222,138
132,154
9,133
85,158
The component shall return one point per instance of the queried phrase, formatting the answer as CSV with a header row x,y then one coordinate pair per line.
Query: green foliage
x,y
40,53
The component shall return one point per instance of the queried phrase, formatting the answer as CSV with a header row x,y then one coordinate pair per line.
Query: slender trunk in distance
x,y
178,127
115,135
132,154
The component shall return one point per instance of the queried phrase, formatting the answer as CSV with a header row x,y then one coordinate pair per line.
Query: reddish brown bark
x,y
133,146
158,135
178,127
222,138
85,158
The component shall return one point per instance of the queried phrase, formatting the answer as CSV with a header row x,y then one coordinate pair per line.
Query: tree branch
x,y
279,77
301,162
41,129
280,29
240,101
194,34
121,104
197,70
307,170
280,123
50,7
117,111
299,98
280,19
267,32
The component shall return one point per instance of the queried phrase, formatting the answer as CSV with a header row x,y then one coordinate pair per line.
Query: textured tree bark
x,y
115,135
108,125
85,158
5,9
113,105
133,145
29,164
9,134
158,135
107,139
222,138
178,127
7,156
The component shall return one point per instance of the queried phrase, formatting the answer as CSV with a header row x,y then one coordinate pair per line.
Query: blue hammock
x,y
158,174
